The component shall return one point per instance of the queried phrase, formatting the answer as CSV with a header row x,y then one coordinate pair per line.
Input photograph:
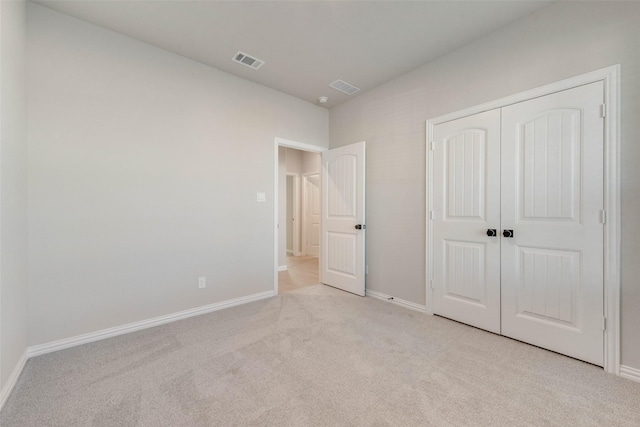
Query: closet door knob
x,y
360,226
491,232
507,233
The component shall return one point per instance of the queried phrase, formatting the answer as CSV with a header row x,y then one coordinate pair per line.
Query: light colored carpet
x,y
316,357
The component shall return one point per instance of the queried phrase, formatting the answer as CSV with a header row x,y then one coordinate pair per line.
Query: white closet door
x,y
552,199
466,203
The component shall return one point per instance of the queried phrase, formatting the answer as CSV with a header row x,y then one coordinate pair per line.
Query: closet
x,y
517,219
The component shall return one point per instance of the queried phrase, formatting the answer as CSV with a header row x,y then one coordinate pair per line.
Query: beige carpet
x,y
316,357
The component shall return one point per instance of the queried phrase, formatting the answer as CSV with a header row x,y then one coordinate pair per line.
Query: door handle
x,y
507,233
360,226
491,232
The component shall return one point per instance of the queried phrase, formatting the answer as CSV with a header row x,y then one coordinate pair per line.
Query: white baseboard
x,y
389,298
630,373
50,347
13,379
282,268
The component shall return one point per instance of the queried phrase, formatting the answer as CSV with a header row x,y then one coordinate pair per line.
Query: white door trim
x,y
281,142
611,78
296,213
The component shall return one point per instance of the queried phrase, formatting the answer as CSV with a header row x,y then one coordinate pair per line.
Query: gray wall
x,y
558,42
311,162
143,173
294,161
13,182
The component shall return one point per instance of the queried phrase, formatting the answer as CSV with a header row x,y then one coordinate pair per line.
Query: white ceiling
x,y
306,44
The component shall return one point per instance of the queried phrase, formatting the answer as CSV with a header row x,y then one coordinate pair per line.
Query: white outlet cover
x,y
202,282
261,197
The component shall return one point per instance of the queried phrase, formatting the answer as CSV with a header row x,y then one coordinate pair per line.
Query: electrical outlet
x,y
202,282
261,197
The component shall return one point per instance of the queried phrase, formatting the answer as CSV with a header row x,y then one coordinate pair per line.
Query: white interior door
x,y
466,204
342,210
552,199
312,215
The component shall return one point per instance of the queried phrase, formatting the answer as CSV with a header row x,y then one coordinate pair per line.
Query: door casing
x,y
610,76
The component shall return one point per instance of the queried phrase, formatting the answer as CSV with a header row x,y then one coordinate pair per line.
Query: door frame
x,y
296,212
305,199
287,143
610,76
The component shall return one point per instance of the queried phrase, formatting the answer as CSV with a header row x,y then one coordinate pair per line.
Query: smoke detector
x,y
247,60
323,99
344,87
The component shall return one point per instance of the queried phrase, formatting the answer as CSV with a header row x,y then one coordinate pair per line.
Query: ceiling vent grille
x,y
247,60
344,87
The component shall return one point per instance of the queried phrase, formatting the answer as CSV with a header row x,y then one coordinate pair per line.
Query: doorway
x,y
341,247
299,236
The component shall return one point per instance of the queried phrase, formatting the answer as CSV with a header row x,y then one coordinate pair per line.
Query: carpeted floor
x,y
316,357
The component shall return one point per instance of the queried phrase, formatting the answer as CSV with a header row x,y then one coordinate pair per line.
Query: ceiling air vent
x,y
344,87
248,60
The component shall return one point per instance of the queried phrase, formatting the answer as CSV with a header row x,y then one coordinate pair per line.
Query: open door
x,y
343,228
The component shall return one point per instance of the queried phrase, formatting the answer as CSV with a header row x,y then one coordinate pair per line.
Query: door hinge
x,y
604,323
603,110
603,216
431,284
430,214
432,146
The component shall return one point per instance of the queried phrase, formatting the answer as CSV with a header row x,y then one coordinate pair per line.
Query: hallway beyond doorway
x,y
301,271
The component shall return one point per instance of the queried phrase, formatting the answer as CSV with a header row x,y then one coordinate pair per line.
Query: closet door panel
x,y
466,202
552,199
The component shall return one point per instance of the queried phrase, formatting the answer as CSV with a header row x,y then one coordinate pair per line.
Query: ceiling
x,y
306,44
